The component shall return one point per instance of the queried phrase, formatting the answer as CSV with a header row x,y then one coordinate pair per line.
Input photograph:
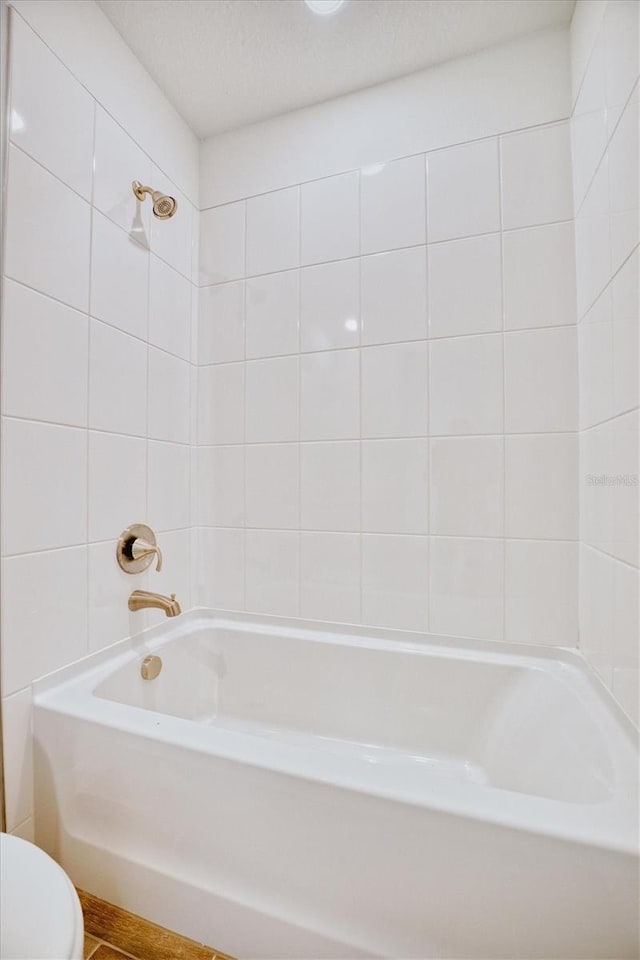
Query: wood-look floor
x,y
112,933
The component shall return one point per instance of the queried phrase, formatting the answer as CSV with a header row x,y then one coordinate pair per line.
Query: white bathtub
x,y
288,790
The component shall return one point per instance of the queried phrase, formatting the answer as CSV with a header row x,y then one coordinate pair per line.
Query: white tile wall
x,y
329,219
330,576
467,587
272,309
364,342
87,404
463,190
46,352
605,180
394,296
330,306
51,113
41,209
474,306
273,231
386,359
536,176
466,385
392,212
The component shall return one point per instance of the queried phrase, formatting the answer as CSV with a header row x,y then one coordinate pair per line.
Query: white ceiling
x,y
227,63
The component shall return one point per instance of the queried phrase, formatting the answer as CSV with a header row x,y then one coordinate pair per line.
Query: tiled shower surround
x,y
606,162
96,355
387,395
375,393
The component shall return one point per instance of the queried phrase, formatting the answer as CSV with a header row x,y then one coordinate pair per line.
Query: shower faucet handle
x,y
137,548
140,550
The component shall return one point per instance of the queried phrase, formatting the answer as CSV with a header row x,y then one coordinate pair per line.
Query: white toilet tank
x,y
40,914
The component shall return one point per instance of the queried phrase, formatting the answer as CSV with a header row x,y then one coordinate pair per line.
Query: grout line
x,y
583,318
420,153
244,398
605,151
95,99
361,590
504,393
87,602
393,343
386,250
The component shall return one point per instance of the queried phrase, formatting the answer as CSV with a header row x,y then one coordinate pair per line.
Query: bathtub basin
x,y
285,789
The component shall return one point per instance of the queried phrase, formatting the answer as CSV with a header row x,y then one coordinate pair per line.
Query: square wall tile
x,y
596,498
44,487
626,333
52,114
272,572
463,190
394,296
272,307
44,616
596,611
330,306
40,210
219,576
117,497
330,486
596,363
395,582
117,381
221,403
46,355
330,395
467,486
593,241
541,592
392,197
222,243
466,385
536,176
540,277
394,390
169,309
542,487
395,486
588,143
169,483
118,161
220,486
272,400
221,323
169,397
330,228
119,278
271,486
626,665
467,587
330,576
109,588
171,240
17,753
624,433
624,189
465,286
541,381
273,231
620,29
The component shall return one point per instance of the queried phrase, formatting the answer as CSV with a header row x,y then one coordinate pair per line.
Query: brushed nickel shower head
x,y
164,207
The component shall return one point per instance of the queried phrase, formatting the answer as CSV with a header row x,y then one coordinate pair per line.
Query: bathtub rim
x,y
608,824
